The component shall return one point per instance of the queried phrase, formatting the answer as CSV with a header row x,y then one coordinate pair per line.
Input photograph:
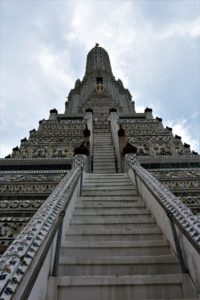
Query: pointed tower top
x,y
98,60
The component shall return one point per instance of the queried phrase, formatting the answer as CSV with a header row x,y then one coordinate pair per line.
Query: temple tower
x,y
100,201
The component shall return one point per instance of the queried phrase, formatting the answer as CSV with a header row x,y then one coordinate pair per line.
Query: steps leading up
x,y
104,155
113,249
125,287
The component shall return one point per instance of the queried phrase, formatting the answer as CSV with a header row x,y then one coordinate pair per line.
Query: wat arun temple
x,y
100,202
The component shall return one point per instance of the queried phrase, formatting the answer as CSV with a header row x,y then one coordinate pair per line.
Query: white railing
x,y
177,222
32,254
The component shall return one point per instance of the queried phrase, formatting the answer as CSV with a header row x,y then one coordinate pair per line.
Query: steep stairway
x,y
104,156
113,249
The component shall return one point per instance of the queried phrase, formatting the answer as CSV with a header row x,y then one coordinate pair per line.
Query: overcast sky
x,y
154,48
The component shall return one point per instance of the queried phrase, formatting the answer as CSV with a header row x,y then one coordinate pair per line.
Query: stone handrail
x,y
187,222
18,257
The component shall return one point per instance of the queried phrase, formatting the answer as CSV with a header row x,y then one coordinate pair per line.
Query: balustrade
x,y
177,222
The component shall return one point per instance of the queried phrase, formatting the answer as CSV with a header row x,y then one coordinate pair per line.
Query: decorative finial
x,y
97,45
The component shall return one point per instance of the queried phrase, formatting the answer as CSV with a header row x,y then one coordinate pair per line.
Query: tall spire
x,y
98,60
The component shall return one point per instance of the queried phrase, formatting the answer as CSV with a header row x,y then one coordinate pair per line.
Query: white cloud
x,y
52,65
141,55
182,128
6,149
182,29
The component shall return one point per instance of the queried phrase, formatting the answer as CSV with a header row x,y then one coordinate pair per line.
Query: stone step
x,y
99,146
122,192
114,248
89,175
115,231
106,184
107,134
103,142
112,219
117,181
109,204
112,187
102,168
123,181
101,126
110,211
100,152
98,149
121,198
103,139
102,161
113,237
103,171
107,155
118,226
106,188
126,287
101,131
103,135
103,164
131,265
105,177
104,157
104,153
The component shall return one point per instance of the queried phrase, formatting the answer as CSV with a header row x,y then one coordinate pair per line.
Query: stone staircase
x,y
113,249
104,155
